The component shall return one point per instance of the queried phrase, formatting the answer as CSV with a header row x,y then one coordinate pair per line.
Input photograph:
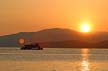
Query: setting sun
x,y
85,27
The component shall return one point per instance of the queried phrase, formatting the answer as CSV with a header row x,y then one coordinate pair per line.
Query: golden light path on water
x,y
85,62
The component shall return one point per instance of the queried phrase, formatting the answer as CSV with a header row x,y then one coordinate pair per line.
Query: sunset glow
x,y
36,15
85,27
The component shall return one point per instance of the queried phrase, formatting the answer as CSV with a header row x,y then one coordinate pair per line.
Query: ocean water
x,y
53,59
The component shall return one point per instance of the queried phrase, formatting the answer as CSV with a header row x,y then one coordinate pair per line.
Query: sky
x,y
34,15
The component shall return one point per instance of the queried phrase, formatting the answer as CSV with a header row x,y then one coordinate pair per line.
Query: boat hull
x,y
31,47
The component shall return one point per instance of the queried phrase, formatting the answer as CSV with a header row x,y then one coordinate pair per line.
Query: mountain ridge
x,y
52,36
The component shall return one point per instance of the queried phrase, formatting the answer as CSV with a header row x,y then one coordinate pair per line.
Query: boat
x,y
31,47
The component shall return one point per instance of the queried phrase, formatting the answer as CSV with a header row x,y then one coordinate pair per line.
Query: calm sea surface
x,y
53,59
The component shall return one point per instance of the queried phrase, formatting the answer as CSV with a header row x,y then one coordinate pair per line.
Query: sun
x,y
85,27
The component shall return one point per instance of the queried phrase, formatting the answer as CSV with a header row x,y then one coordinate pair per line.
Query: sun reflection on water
x,y
85,62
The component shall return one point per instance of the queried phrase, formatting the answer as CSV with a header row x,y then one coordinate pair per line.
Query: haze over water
x,y
53,59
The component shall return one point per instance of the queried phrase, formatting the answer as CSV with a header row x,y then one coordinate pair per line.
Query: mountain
x,y
56,34
56,37
12,40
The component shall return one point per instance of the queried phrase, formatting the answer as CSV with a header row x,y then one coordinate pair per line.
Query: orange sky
x,y
32,15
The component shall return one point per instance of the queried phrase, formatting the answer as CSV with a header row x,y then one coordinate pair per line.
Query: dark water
x,y
56,59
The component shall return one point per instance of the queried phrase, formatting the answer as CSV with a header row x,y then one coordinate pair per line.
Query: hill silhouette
x,y
57,37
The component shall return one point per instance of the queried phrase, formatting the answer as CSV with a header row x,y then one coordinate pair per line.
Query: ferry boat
x,y
31,47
